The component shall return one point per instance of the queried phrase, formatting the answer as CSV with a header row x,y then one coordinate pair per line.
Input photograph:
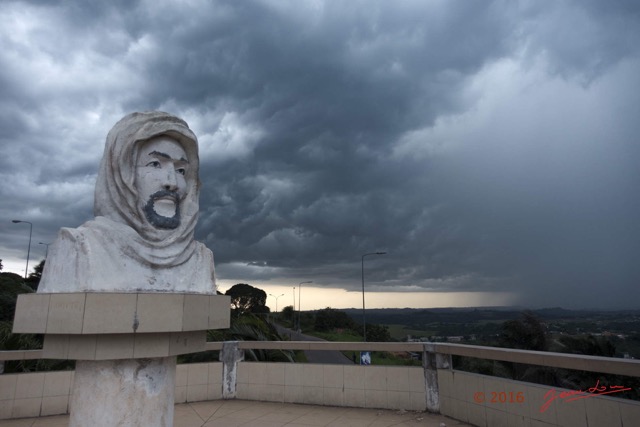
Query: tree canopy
x,y
247,299
330,319
288,312
526,333
11,285
34,278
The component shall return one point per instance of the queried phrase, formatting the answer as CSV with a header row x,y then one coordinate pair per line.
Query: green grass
x,y
400,332
384,358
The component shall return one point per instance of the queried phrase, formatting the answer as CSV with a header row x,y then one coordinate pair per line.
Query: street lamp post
x,y
276,297
293,314
16,221
299,304
364,323
46,253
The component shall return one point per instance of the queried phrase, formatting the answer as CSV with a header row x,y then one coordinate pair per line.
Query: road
x,y
315,356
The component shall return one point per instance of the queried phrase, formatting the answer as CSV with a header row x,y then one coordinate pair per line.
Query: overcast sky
x,y
488,147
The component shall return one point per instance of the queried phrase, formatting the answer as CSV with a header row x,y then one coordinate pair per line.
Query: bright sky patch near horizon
x,y
489,147
313,298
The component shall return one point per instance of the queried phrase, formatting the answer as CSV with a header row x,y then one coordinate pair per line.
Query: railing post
x,y
431,362
230,355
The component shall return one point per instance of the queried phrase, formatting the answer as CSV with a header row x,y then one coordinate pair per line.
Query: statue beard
x,y
158,220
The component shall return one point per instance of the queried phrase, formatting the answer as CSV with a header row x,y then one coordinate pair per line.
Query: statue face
x,y
161,172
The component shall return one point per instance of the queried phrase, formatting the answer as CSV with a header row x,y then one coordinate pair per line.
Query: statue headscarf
x,y
116,197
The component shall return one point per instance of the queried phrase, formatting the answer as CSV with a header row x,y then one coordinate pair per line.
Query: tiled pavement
x,y
231,413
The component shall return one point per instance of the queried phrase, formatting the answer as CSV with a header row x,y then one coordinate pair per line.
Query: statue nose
x,y
171,183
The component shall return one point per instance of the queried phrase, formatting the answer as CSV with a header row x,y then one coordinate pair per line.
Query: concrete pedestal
x,y
125,345
134,392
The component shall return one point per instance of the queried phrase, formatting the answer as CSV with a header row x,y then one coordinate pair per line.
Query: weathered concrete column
x,y
138,392
230,356
431,362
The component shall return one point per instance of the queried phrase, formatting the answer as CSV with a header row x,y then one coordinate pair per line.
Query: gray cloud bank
x,y
486,146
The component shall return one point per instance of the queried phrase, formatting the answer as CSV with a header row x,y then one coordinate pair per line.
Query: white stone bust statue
x,y
146,209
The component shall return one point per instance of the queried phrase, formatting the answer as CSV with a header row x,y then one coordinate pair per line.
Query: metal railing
x,y
606,365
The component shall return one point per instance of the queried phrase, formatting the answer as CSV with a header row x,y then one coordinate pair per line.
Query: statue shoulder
x,y
69,234
71,242
63,261
203,250
74,236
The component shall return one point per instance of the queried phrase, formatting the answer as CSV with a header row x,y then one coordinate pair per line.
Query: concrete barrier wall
x,y
196,382
390,387
393,387
450,392
490,401
47,393
35,394
464,396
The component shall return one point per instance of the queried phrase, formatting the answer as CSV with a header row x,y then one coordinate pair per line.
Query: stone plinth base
x,y
123,393
122,346
110,326
84,313
125,344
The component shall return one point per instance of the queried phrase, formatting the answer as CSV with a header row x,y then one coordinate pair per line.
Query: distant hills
x,y
419,316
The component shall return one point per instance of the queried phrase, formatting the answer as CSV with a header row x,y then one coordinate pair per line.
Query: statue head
x,y
148,177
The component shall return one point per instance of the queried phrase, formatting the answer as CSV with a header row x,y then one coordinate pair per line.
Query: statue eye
x,y
154,164
181,171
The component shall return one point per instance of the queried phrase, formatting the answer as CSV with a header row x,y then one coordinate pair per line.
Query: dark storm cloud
x,y
485,145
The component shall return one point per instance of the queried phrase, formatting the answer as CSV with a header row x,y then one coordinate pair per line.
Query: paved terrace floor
x,y
230,413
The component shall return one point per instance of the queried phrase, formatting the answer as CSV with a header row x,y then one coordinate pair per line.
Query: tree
x,y
288,313
376,333
247,299
526,333
330,319
589,345
0,265
11,285
34,278
245,327
254,328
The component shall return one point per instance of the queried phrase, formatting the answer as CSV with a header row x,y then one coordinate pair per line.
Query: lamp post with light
x,y
364,323
276,297
16,221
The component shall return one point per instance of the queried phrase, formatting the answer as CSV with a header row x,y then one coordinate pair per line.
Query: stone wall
x,y
35,394
47,393
390,387
461,392
450,392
